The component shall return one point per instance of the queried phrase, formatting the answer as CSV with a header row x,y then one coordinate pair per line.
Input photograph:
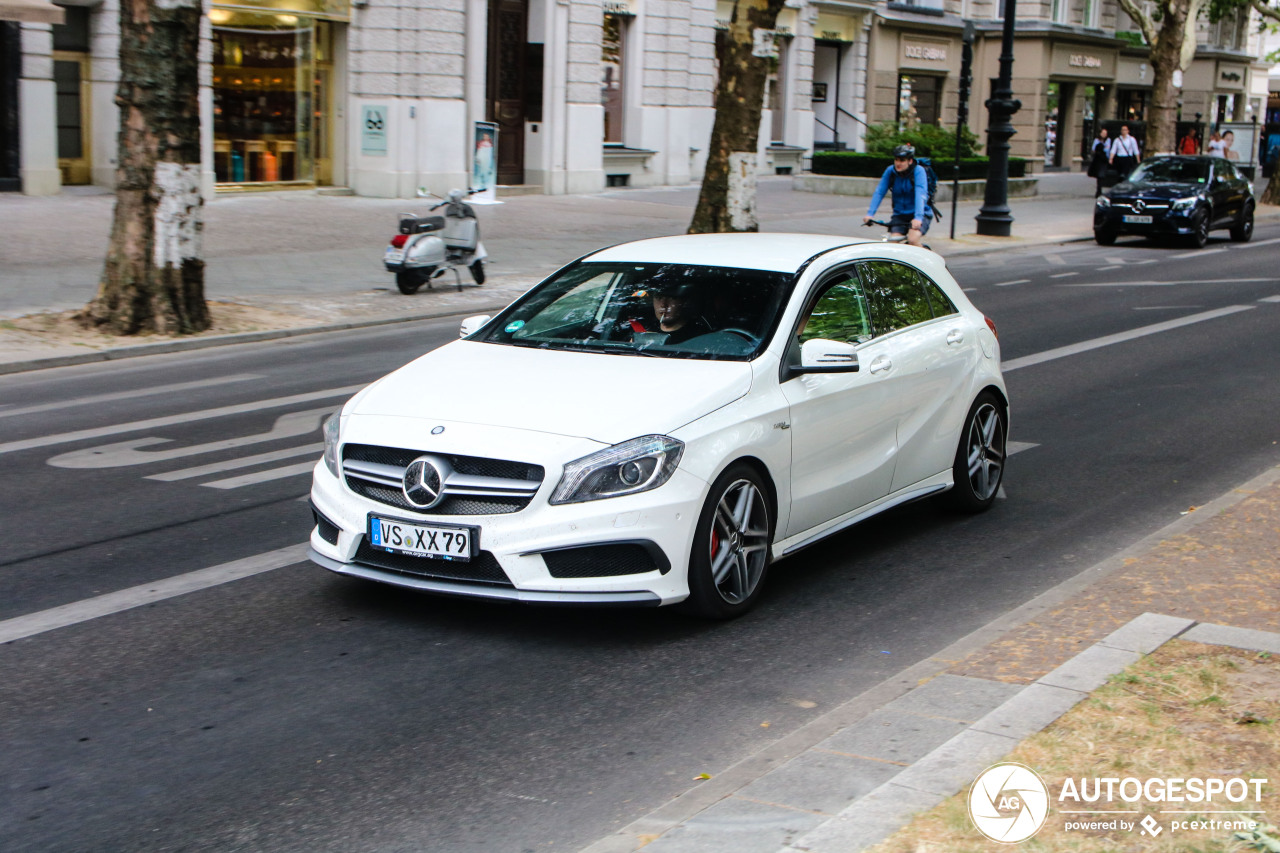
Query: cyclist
x,y
910,187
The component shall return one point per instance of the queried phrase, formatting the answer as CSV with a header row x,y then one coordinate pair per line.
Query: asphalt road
x,y
295,710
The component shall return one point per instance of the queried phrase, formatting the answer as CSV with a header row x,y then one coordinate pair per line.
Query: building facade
x,y
385,96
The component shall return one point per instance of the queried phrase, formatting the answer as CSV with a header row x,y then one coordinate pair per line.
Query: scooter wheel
x,y
410,280
477,271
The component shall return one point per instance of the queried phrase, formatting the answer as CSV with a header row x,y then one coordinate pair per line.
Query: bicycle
x,y
891,237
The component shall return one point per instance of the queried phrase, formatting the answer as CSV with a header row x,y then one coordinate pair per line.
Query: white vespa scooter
x,y
427,247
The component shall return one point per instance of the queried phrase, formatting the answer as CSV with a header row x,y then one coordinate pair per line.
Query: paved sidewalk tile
x,y
739,826
866,822
954,697
956,763
1090,669
1035,707
892,735
1147,632
820,781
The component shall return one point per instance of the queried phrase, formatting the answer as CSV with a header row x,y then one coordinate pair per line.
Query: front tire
x,y
1199,229
477,271
978,469
1242,231
1104,237
731,546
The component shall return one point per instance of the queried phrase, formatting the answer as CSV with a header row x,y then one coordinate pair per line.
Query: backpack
x,y
931,183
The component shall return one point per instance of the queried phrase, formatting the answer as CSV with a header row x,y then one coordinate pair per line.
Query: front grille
x,y
601,561
472,486
481,569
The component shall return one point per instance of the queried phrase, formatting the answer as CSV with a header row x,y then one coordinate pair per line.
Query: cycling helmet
x,y
904,151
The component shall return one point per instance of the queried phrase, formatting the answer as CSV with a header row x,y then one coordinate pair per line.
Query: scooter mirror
x,y
471,325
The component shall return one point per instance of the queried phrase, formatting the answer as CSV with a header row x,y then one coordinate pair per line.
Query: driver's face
x,y
671,310
901,163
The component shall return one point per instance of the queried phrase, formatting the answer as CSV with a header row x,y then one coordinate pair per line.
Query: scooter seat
x,y
410,224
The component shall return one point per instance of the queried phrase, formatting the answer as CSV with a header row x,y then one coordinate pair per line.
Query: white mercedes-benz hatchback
x,y
660,421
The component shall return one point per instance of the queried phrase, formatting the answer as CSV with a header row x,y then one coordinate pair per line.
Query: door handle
x,y
955,336
881,363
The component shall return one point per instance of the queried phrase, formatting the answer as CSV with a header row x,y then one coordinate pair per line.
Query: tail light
x,y
991,324
400,239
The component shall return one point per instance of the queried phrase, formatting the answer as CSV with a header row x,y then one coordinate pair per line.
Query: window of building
x,y
776,89
611,92
1133,105
919,99
1058,11
1089,16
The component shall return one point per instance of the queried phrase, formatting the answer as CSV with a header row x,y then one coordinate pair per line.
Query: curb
x,y
658,830
949,768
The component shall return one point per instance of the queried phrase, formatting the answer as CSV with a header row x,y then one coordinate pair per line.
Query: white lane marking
x,y
1056,260
1257,243
969,289
1270,299
241,462
1168,283
1198,253
1063,274
188,417
1121,337
124,453
1147,261
1164,307
129,395
1013,447
263,476
147,593
1015,281
1108,269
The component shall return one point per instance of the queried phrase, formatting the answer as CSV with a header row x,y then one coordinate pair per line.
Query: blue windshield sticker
x,y
515,326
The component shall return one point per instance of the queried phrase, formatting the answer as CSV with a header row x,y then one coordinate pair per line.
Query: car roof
x,y
743,250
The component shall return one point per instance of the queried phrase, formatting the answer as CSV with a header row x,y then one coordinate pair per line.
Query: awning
x,y
30,11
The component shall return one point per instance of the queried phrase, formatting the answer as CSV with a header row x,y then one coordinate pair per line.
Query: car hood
x,y
1156,191
606,398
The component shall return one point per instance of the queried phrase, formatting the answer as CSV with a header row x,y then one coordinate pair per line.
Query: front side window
x,y
839,314
653,309
895,295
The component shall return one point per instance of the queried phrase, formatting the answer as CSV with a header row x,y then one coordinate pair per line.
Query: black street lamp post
x,y
994,219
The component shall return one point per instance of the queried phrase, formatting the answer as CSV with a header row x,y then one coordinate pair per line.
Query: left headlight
x,y
1185,203
633,466
1103,202
331,432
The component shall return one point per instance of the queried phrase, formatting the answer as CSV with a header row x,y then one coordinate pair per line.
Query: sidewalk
x,y
284,263
853,777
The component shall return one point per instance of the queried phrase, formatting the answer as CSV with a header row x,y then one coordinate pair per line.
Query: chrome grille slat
x,y
378,474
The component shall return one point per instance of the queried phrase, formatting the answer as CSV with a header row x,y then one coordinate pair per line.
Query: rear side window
x,y
896,295
840,314
938,301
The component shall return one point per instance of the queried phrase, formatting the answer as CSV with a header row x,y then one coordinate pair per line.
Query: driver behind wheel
x,y
677,313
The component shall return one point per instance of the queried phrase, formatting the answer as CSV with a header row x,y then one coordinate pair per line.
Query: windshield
x,y
667,310
1171,171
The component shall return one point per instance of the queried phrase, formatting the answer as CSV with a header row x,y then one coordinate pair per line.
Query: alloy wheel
x,y
986,451
739,546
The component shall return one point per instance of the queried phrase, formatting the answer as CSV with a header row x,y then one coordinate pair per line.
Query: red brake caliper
x,y
715,542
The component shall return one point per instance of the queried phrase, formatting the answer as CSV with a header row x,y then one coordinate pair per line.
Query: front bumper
x,y
1164,222
663,519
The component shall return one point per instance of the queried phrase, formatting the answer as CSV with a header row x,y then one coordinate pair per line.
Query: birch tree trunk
x,y
153,279
727,201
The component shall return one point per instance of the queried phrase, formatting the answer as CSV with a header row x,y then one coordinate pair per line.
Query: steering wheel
x,y
741,333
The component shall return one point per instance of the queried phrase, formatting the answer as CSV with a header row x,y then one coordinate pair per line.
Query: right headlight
x,y
633,466
331,436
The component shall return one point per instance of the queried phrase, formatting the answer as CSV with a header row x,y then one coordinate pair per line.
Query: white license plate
x,y
393,255
1136,219
422,540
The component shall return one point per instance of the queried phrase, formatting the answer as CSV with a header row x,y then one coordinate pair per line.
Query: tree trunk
x,y
1166,57
728,199
153,279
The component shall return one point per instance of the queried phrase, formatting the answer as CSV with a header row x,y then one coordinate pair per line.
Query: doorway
x,y
10,70
508,43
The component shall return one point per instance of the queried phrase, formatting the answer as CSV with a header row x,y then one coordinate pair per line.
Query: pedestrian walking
x,y
1124,153
1099,154
1215,147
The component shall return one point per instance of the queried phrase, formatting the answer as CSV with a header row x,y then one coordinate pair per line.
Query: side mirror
x,y
823,356
471,325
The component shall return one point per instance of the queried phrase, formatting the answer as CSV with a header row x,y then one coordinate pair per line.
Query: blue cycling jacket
x,y
909,197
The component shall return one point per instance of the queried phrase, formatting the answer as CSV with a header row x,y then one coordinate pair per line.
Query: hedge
x,y
855,164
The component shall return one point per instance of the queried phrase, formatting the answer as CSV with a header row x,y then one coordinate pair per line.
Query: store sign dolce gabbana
x,y
1088,62
930,54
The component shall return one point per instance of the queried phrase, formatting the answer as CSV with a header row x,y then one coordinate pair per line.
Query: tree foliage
x,y
1169,27
929,140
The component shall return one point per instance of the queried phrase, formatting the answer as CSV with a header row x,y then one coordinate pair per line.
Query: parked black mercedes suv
x,y
1183,197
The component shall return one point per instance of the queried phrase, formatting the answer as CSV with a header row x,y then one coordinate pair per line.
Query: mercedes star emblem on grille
x,y
423,484
1139,206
